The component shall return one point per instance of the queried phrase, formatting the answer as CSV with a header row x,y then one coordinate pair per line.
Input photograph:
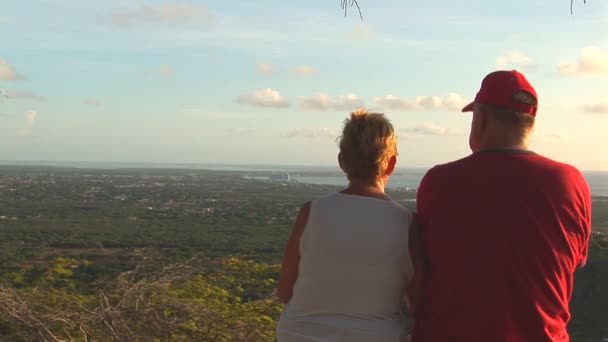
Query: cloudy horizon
x,y
250,83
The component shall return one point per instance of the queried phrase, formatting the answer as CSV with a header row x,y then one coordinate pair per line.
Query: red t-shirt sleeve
x,y
423,196
586,224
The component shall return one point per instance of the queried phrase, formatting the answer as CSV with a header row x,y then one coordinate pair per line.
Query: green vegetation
x,y
201,300
172,255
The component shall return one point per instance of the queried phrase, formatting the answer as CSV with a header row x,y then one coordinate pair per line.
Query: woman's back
x,y
354,265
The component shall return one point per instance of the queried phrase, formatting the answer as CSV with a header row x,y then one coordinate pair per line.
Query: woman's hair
x,y
367,143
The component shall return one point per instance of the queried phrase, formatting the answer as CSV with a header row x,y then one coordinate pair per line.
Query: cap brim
x,y
469,107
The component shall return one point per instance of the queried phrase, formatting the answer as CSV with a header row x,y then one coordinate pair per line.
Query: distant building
x,y
280,177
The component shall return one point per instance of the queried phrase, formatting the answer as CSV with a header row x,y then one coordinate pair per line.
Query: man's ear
x,y
482,118
391,165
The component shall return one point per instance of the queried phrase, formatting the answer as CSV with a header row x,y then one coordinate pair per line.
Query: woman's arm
x,y
414,290
291,257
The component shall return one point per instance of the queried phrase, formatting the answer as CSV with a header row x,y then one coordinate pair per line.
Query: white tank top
x,y
354,265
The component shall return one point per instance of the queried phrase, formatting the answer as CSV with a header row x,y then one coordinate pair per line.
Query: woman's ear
x,y
391,165
340,161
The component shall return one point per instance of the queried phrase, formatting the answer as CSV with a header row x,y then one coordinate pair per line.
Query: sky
x,y
271,82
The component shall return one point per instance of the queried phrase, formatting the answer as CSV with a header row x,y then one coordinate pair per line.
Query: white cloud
x,y
30,118
394,102
430,128
246,132
311,133
515,60
361,32
348,102
264,98
266,68
317,102
168,14
451,102
454,101
243,132
304,70
17,94
7,72
322,101
213,59
592,61
93,102
164,71
596,108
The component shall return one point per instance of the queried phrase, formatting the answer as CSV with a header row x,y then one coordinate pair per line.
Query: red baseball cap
x,y
509,89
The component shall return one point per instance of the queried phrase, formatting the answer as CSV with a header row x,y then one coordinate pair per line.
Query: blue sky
x,y
271,81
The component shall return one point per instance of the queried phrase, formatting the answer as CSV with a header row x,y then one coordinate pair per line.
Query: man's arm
x,y
417,248
414,289
291,256
586,225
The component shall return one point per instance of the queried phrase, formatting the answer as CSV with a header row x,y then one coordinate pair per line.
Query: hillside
x,y
173,255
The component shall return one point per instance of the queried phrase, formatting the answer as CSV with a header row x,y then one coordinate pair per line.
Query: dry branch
x,y
572,2
138,298
345,4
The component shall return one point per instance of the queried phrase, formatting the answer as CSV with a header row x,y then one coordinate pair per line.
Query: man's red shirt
x,y
504,232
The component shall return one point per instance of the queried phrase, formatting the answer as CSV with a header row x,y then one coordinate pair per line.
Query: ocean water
x,y
410,179
598,182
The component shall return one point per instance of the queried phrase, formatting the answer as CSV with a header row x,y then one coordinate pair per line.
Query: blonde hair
x,y
367,143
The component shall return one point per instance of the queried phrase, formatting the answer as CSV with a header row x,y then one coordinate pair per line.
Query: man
x,y
504,229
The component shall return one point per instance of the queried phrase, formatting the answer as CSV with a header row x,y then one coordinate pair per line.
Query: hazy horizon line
x,y
4,162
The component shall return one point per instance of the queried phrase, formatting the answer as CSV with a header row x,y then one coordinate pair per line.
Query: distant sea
x,y
408,178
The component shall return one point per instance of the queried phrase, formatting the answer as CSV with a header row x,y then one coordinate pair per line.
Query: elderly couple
x,y
489,255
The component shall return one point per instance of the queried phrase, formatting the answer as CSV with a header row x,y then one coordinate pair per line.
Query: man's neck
x,y
499,138
509,147
504,142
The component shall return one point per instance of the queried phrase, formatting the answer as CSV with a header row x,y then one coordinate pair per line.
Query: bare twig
x,y
572,2
138,298
345,4
16,307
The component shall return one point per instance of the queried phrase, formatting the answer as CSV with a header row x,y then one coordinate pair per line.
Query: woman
x,y
347,265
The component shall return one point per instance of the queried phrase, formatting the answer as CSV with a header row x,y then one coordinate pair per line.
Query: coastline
x,y
403,178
